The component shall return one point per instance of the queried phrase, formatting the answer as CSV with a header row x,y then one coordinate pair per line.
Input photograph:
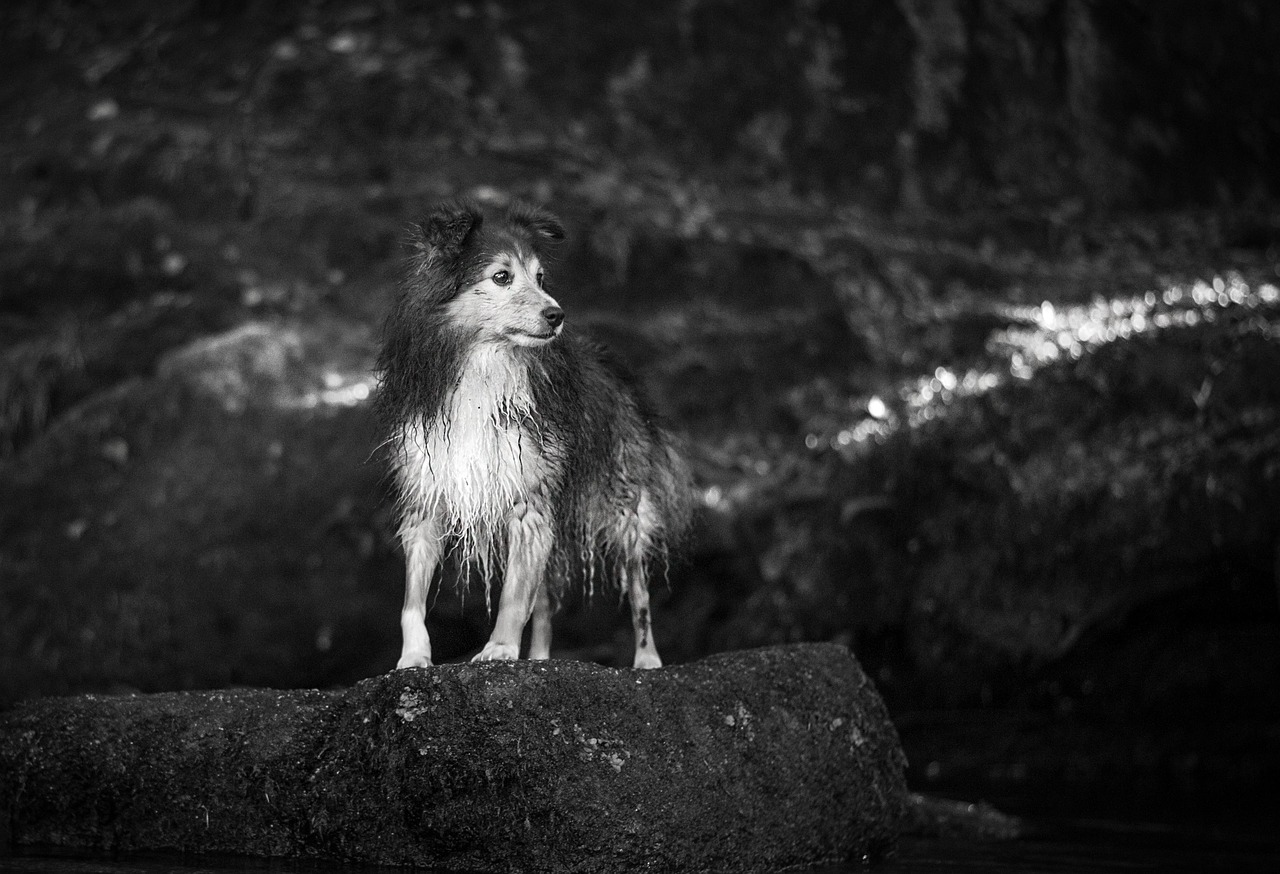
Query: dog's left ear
x,y
545,228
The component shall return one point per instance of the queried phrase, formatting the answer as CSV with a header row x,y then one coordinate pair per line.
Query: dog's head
x,y
486,272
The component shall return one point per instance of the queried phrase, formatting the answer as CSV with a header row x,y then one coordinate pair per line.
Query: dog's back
x,y
518,445
623,476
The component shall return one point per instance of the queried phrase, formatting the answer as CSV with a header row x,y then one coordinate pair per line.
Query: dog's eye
x,y
539,279
502,277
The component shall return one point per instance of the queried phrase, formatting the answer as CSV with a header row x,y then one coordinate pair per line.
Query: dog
x,y
516,445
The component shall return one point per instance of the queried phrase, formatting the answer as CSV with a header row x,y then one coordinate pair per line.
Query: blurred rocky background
x,y
968,307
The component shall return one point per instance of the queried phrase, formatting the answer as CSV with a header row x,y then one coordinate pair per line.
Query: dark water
x,y
1092,848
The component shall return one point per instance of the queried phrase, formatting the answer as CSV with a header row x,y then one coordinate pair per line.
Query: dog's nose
x,y
554,316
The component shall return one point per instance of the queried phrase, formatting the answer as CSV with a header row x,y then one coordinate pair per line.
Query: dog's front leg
x,y
422,554
529,537
540,636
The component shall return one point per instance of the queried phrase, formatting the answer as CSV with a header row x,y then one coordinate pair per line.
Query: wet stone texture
x,y
751,761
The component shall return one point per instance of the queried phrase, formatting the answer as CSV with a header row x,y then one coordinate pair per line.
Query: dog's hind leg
x,y
540,636
422,554
637,584
529,546
637,530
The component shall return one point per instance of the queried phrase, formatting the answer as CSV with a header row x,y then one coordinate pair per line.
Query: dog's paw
x,y
417,659
497,652
647,661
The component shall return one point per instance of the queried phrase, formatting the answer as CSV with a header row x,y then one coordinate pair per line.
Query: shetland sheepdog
x,y
517,446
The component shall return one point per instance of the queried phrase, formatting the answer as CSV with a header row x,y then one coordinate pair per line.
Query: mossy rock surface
x,y
751,761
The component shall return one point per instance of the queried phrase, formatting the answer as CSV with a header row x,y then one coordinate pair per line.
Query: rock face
x,y
751,761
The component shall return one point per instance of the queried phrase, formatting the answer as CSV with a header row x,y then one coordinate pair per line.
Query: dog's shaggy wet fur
x,y
517,445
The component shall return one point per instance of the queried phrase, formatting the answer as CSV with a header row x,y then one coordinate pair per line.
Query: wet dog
x,y
517,445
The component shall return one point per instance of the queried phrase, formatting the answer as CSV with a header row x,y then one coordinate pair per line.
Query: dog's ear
x,y
544,227
444,232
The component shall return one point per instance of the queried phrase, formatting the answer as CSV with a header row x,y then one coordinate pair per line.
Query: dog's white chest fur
x,y
479,458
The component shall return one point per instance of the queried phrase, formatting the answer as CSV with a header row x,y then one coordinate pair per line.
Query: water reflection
x,y
1036,337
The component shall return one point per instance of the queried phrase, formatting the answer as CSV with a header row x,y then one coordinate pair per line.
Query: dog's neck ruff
x,y
480,456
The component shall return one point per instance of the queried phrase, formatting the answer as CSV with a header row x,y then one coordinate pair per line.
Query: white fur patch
x,y
481,457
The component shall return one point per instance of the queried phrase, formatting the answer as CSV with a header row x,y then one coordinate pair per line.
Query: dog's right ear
x,y
445,232
545,227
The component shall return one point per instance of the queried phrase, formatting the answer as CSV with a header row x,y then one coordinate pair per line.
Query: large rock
x,y
751,761
217,524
